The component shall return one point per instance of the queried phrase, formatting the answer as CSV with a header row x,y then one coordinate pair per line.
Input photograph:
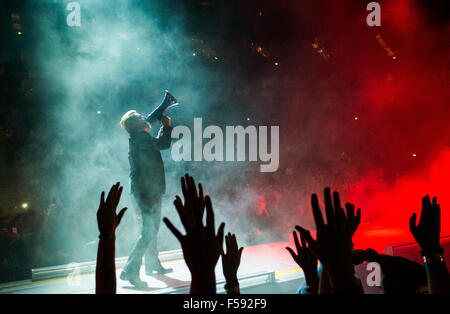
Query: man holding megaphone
x,y
147,185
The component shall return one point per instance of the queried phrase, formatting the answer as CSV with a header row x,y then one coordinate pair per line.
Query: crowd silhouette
x,y
328,261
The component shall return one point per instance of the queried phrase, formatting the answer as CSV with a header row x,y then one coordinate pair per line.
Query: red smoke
x,y
398,148
406,103
391,205
401,15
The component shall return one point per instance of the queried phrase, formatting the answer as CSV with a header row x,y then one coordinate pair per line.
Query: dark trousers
x,y
150,214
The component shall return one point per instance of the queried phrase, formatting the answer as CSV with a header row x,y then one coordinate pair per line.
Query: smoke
x,y
352,117
123,56
392,203
377,126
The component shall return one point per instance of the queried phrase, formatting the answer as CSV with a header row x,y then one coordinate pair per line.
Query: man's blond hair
x,y
130,121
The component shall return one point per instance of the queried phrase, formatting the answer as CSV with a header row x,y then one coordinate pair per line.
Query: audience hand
x,y
306,258
334,239
427,232
107,219
201,246
232,259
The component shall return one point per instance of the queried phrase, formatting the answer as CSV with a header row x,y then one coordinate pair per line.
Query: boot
x,y
133,279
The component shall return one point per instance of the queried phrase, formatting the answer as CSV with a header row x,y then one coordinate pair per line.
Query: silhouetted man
x,y
147,185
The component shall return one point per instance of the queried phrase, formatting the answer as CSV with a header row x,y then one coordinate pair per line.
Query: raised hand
x,y
427,232
107,219
306,258
231,261
201,245
334,240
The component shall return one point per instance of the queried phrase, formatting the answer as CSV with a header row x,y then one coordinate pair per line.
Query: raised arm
x,y
306,258
427,235
333,245
230,264
164,138
201,245
108,220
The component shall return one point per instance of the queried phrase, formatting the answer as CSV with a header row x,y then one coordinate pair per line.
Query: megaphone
x,y
168,103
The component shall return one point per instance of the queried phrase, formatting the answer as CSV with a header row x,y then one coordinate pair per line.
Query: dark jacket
x,y
147,175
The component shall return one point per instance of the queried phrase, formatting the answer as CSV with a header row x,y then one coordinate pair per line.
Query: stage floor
x,y
266,268
260,264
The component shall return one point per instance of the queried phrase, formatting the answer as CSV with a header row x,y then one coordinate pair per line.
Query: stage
x,y
265,269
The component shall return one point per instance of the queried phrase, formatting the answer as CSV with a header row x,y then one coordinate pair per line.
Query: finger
x,y
412,223
174,230
358,218
188,208
201,199
192,200
192,189
354,224
114,195
200,191
117,197
294,256
329,211
435,209
185,221
240,253
318,219
336,200
426,205
121,213
339,215
231,243
110,195
220,234
297,244
190,186
197,211
350,211
226,245
350,208
102,199
303,240
306,234
427,200
227,242
184,188
209,215
234,244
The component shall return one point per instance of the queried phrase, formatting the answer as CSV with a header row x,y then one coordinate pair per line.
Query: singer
x,y
147,185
